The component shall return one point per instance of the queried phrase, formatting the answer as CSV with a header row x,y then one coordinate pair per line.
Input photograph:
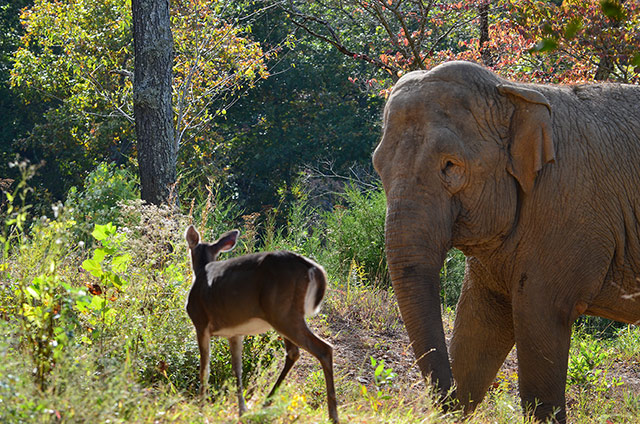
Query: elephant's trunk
x,y
416,247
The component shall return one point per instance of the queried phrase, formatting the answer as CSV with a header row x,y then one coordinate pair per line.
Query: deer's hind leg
x,y
302,336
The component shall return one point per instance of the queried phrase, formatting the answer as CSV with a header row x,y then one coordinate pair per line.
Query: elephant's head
x,y
460,146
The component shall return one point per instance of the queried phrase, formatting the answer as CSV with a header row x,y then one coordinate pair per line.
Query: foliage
x,y
383,378
628,341
532,40
15,210
16,118
451,277
305,114
576,41
587,364
35,297
213,62
97,203
80,54
46,312
393,36
355,235
108,265
111,322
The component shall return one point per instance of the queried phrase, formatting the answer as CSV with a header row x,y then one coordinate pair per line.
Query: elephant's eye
x,y
452,174
447,165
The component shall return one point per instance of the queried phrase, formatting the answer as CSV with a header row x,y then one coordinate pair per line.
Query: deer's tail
x,y
315,289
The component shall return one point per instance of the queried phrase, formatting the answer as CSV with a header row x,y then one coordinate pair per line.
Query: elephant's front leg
x,y
543,334
482,336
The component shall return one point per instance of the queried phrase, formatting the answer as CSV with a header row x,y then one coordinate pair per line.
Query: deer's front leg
x,y
204,345
235,343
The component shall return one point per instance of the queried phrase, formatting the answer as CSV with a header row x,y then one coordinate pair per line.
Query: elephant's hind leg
x,y
482,338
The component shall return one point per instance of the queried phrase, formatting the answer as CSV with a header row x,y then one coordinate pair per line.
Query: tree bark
x,y
485,53
153,49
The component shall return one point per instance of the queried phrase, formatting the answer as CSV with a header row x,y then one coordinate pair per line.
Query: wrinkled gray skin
x,y
539,186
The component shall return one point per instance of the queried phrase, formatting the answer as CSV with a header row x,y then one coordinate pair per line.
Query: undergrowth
x,y
94,328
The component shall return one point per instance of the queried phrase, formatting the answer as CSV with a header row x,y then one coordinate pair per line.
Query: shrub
x,y
355,234
97,202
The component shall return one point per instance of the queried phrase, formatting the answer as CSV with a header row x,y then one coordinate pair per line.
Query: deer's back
x,y
242,295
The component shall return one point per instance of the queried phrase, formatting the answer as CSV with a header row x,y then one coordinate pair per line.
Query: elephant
x,y
539,187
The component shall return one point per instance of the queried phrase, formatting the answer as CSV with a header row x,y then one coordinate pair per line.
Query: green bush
x,y
355,235
97,202
301,232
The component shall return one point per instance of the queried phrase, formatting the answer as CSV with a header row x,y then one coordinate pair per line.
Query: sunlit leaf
x,y
33,292
99,255
93,266
97,303
119,263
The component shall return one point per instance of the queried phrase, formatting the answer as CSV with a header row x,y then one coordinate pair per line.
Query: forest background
x,y
277,109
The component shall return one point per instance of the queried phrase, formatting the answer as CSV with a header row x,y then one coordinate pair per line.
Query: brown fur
x,y
251,294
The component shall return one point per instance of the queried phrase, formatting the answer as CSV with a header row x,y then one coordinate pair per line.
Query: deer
x,y
252,294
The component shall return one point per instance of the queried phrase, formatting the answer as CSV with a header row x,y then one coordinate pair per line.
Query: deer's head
x,y
203,253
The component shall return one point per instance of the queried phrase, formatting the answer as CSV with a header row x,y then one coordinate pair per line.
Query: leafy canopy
x,y
80,53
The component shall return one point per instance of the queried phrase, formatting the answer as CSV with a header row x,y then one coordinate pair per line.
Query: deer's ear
x,y
531,145
192,236
228,241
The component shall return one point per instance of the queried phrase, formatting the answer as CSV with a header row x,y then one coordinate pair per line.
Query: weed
x,y
588,365
383,379
108,265
628,342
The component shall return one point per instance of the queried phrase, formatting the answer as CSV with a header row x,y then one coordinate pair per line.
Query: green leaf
x,y
102,232
97,303
93,267
545,45
119,263
33,293
99,254
379,370
612,9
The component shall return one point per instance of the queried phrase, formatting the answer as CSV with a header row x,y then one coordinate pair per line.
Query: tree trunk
x,y
153,49
485,53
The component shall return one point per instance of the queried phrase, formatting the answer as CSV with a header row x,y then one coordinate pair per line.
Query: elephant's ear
x,y
531,144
